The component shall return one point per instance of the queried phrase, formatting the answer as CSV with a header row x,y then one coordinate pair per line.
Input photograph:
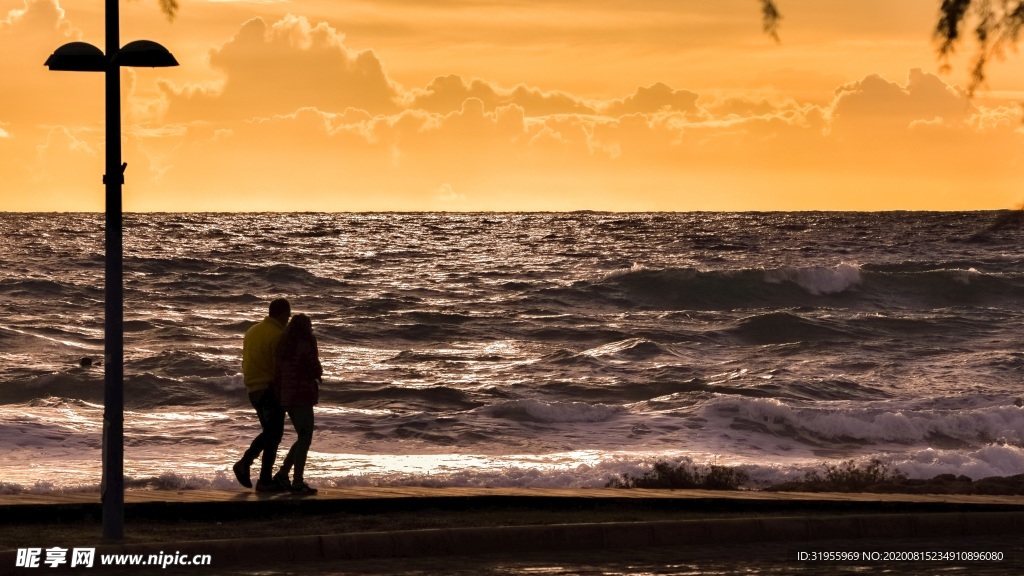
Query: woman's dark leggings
x,y
302,419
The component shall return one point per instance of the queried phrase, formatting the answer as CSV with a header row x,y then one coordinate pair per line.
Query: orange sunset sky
x,y
511,105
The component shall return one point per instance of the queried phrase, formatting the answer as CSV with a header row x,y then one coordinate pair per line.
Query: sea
x,y
524,349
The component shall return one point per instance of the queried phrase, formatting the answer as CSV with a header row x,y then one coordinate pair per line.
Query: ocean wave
x,y
548,471
583,333
384,303
82,384
594,475
687,393
141,390
944,287
316,232
519,286
36,287
531,410
51,340
692,289
787,327
880,423
407,398
682,392
147,390
417,356
183,364
832,388
165,266
432,317
920,266
631,349
419,332
983,462
843,285
226,296
138,325
175,481
288,274
817,280
569,358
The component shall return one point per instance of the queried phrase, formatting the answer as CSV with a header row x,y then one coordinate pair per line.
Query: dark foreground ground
x,y
873,556
481,531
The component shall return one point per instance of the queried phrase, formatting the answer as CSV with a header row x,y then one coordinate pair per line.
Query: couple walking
x,y
281,368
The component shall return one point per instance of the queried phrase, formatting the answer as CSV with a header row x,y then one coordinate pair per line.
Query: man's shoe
x,y
302,488
241,470
269,486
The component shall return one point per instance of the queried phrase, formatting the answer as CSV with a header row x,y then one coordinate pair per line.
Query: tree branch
x,y
771,18
169,8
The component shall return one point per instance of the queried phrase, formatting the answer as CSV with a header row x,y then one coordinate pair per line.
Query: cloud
x,y
448,93
743,106
280,68
996,119
728,152
63,172
62,139
48,120
39,15
447,195
32,94
874,102
658,97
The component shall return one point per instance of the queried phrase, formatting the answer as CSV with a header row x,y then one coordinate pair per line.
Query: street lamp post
x,y
82,57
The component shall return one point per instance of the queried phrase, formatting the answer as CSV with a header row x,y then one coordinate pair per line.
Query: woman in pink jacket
x,y
297,385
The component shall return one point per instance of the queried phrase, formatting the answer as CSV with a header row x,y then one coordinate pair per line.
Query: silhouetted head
x,y
301,324
300,329
280,310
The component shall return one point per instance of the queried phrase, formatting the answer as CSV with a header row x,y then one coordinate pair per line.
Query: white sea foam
x,y
817,280
990,460
880,421
636,267
580,469
965,276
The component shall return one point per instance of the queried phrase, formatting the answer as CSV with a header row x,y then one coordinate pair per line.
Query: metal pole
x,y
112,486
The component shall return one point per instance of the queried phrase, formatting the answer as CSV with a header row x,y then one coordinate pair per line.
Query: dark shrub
x,y
684,475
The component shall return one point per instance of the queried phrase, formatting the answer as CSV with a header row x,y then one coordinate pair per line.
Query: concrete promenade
x,y
763,517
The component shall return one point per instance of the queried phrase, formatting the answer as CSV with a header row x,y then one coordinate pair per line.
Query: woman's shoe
x,y
241,470
269,486
281,479
301,487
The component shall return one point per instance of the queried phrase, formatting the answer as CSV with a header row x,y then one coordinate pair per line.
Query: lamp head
x,y
144,53
77,57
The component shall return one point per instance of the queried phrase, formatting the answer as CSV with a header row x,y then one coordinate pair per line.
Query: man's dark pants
x,y
271,417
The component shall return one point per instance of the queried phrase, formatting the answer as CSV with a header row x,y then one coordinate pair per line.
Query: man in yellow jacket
x,y
259,360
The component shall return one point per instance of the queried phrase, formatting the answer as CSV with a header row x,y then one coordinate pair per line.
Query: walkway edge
x,y
546,538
